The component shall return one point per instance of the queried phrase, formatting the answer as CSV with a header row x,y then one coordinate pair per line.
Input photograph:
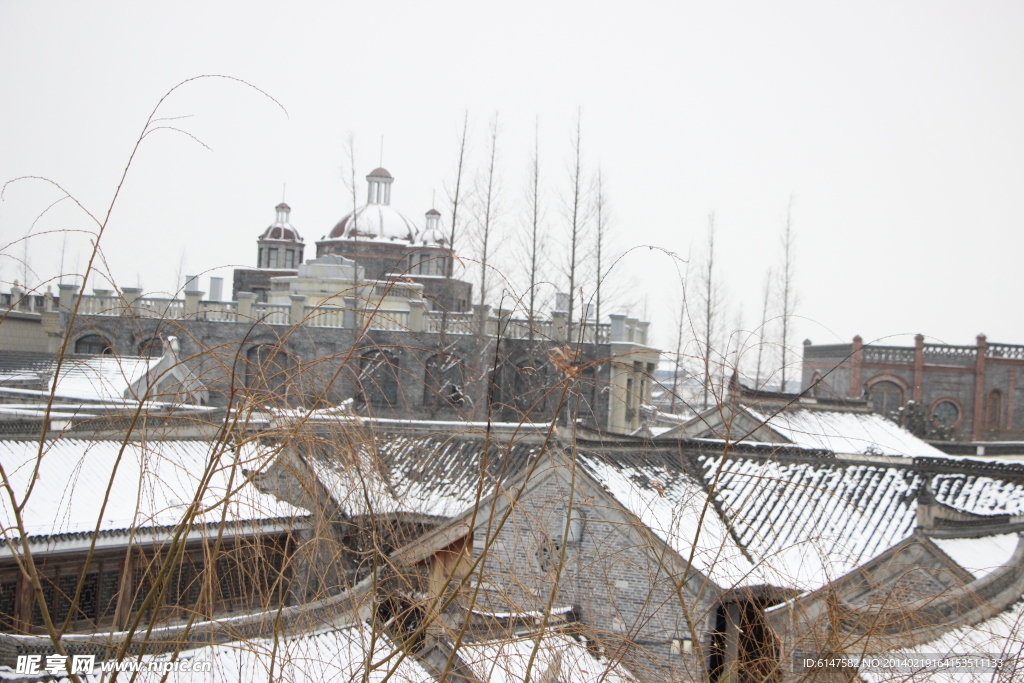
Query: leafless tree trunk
x,y
679,351
454,198
600,241
350,183
488,210
786,291
766,296
576,223
710,296
534,239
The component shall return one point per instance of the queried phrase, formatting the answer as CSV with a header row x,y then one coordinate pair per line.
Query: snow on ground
x,y
980,556
339,655
559,658
153,483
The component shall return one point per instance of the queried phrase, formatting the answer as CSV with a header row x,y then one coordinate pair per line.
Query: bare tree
x,y
601,238
787,301
576,206
488,194
534,241
709,296
762,328
454,197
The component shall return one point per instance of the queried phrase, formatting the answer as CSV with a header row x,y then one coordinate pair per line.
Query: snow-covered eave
x,y
98,403
122,537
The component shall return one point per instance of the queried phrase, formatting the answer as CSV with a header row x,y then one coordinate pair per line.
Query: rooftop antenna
x,y
381,151
284,187
433,198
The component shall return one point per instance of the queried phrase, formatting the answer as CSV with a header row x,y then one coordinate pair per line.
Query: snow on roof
x,y
671,504
1001,636
426,475
980,556
849,433
96,378
979,494
559,658
813,522
153,483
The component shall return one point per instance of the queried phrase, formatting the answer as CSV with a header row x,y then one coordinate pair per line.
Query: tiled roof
x,y
430,475
150,486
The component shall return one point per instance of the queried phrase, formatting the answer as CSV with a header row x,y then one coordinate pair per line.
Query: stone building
x,y
376,322
971,391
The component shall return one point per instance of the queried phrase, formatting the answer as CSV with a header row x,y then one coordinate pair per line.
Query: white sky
x,y
896,126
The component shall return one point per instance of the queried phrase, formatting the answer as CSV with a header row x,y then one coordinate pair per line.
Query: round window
x,y
946,413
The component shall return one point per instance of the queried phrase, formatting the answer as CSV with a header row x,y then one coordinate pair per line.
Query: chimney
x,y
216,288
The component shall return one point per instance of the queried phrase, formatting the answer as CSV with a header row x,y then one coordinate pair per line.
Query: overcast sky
x,y
897,128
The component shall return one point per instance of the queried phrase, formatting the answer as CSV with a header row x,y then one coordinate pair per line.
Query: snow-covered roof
x,y
980,556
151,485
671,504
816,521
95,378
559,658
846,433
432,475
375,221
1001,636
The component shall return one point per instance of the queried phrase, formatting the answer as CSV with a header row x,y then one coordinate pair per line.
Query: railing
x,y
457,323
939,354
1012,351
272,314
389,320
218,311
110,304
328,316
888,354
28,303
154,307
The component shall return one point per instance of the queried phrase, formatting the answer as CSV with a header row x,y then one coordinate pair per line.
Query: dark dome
x,y
379,173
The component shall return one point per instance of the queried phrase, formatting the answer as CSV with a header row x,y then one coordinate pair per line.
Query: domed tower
x,y
280,245
376,220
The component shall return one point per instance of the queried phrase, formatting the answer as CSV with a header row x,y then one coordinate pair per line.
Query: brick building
x,y
970,390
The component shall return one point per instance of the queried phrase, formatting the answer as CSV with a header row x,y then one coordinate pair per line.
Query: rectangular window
x,y
271,258
424,264
289,258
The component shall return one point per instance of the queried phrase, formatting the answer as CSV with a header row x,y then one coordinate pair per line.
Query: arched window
x,y
151,348
886,397
93,345
530,387
994,409
378,378
443,382
268,368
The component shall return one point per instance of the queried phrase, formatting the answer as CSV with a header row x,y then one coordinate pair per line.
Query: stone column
x,y
642,327
66,296
130,295
979,388
560,320
617,332
856,367
298,311
245,301
918,367
417,310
